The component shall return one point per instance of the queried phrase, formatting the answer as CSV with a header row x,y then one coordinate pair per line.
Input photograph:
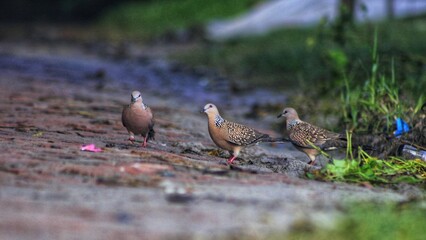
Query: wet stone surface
x,y
179,186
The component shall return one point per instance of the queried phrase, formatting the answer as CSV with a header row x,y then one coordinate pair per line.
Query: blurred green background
x,y
366,74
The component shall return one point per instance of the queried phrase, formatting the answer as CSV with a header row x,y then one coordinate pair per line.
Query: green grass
x,y
364,168
375,104
149,20
369,221
374,170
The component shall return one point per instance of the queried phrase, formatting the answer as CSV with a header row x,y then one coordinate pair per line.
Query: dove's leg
x,y
231,159
234,154
312,162
145,140
131,137
311,153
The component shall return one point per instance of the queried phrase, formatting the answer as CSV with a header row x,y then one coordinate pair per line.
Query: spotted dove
x,y
303,135
229,135
137,118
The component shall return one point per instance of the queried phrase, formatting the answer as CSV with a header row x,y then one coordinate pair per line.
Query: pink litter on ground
x,y
90,148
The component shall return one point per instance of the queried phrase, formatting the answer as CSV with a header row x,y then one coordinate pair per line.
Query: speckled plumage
x,y
229,135
138,119
302,134
242,135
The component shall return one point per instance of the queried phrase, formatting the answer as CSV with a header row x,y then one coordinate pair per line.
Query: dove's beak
x,y
279,115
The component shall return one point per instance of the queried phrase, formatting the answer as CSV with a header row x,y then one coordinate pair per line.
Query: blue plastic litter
x,y
401,127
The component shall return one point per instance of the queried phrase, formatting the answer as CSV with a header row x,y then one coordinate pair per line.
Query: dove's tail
x,y
151,134
276,140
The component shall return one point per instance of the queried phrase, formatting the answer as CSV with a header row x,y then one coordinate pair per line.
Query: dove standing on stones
x,y
303,135
137,118
229,135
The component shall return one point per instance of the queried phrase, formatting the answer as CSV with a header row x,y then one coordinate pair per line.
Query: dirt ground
x,y
54,100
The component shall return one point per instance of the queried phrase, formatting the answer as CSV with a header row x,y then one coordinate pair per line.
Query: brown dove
x,y
302,135
229,135
137,118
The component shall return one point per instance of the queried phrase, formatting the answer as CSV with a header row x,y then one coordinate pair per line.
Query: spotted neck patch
x,y
293,123
218,121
